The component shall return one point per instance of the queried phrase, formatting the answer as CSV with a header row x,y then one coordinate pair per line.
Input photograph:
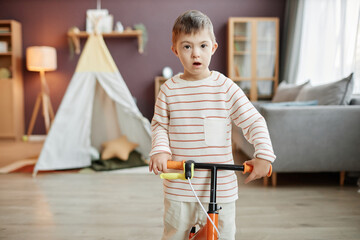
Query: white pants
x,y
179,217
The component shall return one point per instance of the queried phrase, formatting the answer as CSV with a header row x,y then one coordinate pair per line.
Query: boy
x,y
192,120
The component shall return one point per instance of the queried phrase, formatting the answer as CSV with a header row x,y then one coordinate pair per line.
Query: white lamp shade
x,y
41,58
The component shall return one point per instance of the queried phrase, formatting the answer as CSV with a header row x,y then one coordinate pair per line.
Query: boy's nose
x,y
195,53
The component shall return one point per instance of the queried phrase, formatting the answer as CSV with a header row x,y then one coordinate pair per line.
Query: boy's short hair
x,y
192,21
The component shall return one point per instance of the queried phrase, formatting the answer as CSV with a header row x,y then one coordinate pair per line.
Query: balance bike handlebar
x,y
245,168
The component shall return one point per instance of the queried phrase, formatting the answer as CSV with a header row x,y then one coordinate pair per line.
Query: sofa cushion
x,y
291,104
287,92
335,93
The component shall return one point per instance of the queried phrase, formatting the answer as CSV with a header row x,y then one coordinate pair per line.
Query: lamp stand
x,y
44,98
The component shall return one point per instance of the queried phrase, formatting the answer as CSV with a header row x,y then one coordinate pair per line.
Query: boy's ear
x,y
215,46
174,50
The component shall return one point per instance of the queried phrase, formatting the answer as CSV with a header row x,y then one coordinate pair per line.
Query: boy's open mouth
x,y
197,63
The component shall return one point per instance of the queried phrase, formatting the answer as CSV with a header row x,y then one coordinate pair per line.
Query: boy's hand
x,y
261,168
158,162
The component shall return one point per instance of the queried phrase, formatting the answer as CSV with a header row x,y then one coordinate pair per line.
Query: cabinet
x,y
11,82
253,55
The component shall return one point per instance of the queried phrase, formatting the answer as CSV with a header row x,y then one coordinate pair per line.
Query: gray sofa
x,y
321,138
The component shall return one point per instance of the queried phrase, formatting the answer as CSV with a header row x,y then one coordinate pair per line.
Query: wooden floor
x,y
129,206
105,206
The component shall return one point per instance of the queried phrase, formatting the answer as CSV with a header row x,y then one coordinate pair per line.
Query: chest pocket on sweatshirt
x,y
215,131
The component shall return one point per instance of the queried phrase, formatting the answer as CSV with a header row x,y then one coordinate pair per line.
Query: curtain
x,y
357,60
328,40
291,40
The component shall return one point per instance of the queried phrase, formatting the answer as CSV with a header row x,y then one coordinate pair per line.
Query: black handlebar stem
x,y
213,168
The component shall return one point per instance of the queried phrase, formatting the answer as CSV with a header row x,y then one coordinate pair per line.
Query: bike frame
x,y
208,231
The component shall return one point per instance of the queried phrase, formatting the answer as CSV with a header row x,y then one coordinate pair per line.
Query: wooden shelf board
x,y
265,97
242,53
241,38
127,33
6,54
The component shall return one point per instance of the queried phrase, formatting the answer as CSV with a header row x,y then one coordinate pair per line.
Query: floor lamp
x,y
41,59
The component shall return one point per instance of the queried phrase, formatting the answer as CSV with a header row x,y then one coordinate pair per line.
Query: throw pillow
x,y
287,92
120,148
336,93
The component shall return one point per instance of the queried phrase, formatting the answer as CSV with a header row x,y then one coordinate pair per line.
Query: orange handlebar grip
x,y
175,165
247,168
270,171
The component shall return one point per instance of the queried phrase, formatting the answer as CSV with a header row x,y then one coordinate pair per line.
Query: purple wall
x,y
46,22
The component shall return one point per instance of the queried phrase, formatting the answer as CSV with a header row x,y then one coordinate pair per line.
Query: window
x,y
328,40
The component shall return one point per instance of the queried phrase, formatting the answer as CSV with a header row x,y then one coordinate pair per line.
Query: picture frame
x,y
101,16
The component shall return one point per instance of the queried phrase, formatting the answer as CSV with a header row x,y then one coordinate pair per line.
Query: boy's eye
x,y
203,45
187,47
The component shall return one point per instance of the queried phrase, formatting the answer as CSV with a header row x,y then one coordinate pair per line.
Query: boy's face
x,y
195,51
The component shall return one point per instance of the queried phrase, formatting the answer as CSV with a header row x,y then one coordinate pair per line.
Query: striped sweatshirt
x,y
192,120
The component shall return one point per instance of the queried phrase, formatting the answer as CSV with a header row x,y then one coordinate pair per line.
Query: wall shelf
x,y
125,34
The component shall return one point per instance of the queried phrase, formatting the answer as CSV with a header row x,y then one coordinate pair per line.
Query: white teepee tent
x,y
96,107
